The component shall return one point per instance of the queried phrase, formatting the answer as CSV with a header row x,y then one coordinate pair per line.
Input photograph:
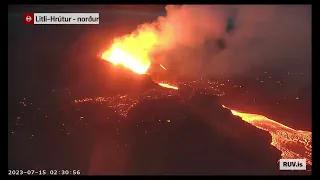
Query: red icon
x,y
28,18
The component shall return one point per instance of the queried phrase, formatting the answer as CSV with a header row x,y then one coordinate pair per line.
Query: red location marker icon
x,y
28,18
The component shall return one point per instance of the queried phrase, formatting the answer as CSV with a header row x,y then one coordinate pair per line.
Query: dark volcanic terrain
x,y
162,136
68,110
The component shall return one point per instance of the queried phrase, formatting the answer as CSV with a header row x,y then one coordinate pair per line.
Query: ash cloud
x,y
207,40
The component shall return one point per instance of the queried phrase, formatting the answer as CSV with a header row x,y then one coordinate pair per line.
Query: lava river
x,y
294,144
133,52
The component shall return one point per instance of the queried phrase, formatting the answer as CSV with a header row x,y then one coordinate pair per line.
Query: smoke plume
x,y
212,39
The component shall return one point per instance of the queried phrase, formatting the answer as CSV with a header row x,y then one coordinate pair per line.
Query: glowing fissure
x,y
163,67
168,86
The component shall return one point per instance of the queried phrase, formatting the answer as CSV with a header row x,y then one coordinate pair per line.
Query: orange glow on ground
x,y
168,86
294,144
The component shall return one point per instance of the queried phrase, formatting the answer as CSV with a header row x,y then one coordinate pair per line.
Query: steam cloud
x,y
193,38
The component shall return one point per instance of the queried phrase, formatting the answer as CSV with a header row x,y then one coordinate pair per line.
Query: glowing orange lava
x,y
168,86
163,67
133,51
118,56
294,144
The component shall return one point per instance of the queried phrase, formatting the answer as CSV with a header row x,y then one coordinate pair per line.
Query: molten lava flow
x,y
168,86
133,51
163,67
294,144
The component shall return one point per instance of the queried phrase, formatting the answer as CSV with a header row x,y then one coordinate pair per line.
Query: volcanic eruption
x,y
135,53
150,118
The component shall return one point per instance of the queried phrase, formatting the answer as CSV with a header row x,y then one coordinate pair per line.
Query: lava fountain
x,y
133,52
